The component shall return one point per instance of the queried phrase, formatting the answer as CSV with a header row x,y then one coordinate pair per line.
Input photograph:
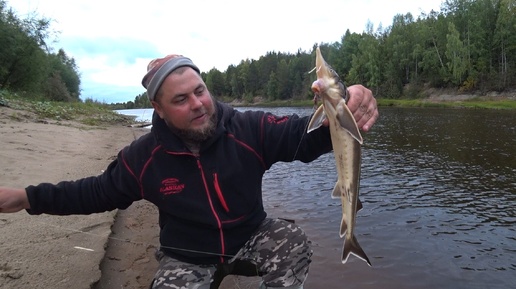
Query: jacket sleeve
x,y
116,188
286,139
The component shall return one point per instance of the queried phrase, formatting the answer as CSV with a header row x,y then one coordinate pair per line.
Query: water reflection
x,y
439,194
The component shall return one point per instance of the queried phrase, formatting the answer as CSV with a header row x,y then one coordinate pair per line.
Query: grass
x,y
473,103
91,114
98,114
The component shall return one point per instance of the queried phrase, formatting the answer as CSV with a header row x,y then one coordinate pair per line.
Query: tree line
x,y
469,45
27,63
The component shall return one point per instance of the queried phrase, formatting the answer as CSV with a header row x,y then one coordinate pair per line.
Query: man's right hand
x,y
13,200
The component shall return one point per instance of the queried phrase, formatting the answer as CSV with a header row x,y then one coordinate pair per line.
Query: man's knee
x,y
172,273
291,239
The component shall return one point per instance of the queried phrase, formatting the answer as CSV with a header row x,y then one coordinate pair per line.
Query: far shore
x,y
444,101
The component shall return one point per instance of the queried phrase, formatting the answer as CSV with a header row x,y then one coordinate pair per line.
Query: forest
x,y
28,64
468,46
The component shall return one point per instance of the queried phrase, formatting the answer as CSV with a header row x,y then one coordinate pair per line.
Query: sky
x,y
112,41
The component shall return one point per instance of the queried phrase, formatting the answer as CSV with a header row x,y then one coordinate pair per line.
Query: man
x,y
202,166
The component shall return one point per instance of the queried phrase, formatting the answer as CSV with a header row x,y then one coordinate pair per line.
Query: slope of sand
x,y
99,251
51,251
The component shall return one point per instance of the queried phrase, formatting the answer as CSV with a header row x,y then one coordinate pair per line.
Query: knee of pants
x,y
291,237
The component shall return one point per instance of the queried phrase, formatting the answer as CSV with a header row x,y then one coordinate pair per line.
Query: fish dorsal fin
x,y
317,119
347,121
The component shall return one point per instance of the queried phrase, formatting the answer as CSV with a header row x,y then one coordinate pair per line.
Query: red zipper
x,y
219,223
219,192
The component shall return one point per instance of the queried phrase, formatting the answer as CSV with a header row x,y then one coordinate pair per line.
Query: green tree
x,y
68,73
432,65
505,41
348,48
237,84
215,82
272,87
27,63
141,101
282,75
365,65
55,89
23,63
455,54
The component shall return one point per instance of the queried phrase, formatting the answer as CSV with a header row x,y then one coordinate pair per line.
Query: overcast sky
x,y
112,41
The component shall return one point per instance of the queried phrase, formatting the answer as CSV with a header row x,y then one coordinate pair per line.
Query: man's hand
x,y
13,200
363,106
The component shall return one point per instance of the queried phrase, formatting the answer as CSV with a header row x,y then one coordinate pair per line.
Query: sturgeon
x,y
346,141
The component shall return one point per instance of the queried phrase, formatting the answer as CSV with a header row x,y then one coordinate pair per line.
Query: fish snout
x,y
317,87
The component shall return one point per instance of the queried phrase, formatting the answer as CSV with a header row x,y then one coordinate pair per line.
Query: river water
x,y
439,193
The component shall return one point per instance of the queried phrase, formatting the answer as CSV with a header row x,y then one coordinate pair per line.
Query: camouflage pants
x,y
279,249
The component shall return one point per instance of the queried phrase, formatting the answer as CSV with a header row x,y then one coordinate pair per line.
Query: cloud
x,y
111,68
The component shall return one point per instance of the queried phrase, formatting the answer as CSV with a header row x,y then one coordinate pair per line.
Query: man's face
x,y
185,104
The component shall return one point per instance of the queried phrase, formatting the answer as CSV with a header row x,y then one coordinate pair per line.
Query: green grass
x,y
90,113
98,114
474,103
284,103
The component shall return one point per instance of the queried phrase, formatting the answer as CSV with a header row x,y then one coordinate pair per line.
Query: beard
x,y
199,135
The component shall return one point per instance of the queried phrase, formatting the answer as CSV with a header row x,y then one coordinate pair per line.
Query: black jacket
x,y
210,204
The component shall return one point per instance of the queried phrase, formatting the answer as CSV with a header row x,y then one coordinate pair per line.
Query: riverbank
x,y
436,98
491,101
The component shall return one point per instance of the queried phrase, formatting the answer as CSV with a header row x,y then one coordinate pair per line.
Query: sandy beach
x,y
99,251
66,251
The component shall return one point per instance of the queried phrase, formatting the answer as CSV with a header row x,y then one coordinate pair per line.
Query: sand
x,y
99,251
64,251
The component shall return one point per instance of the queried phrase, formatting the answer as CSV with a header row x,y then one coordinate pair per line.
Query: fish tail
x,y
351,246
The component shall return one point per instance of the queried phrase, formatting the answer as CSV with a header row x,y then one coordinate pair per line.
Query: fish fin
x,y
347,121
336,194
359,205
317,119
343,227
351,246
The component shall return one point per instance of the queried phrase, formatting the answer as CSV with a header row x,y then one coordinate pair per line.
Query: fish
x,y
347,149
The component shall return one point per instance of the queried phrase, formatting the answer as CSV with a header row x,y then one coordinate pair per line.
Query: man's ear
x,y
157,108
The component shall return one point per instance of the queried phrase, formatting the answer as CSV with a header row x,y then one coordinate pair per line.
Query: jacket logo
x,y
171,186
276,120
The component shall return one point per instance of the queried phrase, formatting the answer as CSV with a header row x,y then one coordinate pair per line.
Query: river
x,y
438,188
